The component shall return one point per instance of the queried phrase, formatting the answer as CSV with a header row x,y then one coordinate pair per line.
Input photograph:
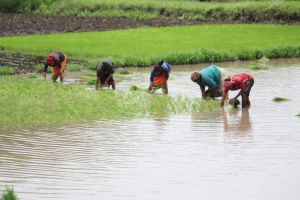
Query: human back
x,y
210,76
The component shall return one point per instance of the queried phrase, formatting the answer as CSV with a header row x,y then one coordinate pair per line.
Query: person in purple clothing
x,y
211,77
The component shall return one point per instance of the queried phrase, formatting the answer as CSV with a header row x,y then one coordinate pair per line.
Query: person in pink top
x,y
243,82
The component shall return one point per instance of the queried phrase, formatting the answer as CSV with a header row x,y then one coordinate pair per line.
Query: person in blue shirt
x,y
211,77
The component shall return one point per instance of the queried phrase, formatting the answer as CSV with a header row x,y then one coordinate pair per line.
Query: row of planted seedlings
x,y
207,56
33,101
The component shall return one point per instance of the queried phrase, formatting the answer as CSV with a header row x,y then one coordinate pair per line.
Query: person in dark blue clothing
x,y
159,77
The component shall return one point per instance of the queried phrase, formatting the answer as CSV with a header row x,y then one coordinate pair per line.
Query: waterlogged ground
x,y
229,155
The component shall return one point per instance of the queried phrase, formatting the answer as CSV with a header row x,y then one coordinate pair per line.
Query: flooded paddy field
x,y
228,154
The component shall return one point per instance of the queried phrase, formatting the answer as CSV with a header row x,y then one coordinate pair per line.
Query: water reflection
x,y
236,121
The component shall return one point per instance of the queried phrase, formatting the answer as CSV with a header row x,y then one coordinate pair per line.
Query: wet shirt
x,y
210,77
165,68
237,82
58,59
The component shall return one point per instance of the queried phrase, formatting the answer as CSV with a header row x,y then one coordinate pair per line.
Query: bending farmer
x,y
243,82
57,61
105,71
159,77
211,77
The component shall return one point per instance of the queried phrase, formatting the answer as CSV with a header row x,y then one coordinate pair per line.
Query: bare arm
x,y
241,91
202,88
45,70
150,86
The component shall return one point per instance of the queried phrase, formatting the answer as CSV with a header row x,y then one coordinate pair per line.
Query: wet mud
x,y
21,24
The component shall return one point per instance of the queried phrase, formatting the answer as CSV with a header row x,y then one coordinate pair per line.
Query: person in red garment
x,y
242,82
57,62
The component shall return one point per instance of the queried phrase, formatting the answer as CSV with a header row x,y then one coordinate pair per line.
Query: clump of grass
x,y
7,71
90,74
280,99
74,68
135,88
298,115
124,72
283,52
91,82
32,76
9,194
55,103
256,66
235,103
40,69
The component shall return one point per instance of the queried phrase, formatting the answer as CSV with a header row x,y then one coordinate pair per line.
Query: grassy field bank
x,y
177,45
255,11
241,11
32,102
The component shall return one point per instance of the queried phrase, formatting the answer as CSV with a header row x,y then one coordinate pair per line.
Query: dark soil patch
x,y
20,24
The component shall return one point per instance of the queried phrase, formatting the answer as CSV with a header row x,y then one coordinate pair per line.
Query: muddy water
x,y
230,154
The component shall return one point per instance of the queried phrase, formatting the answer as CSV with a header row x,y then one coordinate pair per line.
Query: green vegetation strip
x,y
34,102
177,45
280,99
258,11
7,71
9,194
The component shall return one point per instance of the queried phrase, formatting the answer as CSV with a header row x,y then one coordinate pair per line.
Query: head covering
x,y
50,59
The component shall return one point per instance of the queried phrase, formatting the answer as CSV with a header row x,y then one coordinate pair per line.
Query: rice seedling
x,y
55,103
40,69
32,76
235,103
135,88
177,45
256,66
7,71
280,99
9,194
91,82
124,72
74,68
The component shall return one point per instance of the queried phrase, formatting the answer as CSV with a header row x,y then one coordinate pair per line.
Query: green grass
x,y
73,68
298,115
177,45
7,71
124,72
256,66
9,194
257,11
35,102
280,99
91,82
32,76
